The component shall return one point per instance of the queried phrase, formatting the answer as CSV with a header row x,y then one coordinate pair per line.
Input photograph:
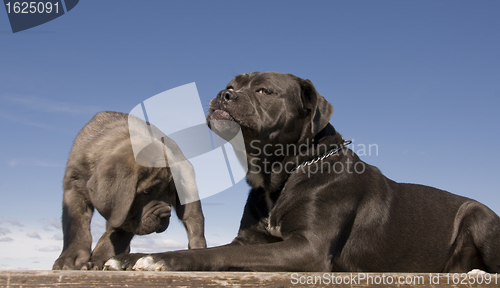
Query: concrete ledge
x,y
240,279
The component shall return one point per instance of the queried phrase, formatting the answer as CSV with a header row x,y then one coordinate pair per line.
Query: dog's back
x,y
94,138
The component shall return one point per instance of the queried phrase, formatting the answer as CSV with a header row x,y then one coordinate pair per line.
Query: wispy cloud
x,y
51,224
99,224
36,249
172,243
148,244
4,231
33,234
32,162
58,237
48,105
97,228
23,120
25,106
15,223
56,223
48,248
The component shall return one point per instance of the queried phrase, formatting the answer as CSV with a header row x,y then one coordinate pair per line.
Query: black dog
x,y
313,212
103,173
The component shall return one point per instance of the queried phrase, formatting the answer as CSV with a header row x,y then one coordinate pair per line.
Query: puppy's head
x,y
271,107
129,196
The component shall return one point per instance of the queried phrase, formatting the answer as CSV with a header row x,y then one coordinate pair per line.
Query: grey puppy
x,y
102,173
311,211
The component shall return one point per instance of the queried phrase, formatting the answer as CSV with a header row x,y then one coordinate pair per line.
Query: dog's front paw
x,y
143,262
148,263
122,262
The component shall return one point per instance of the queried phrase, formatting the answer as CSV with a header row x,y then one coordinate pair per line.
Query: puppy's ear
x,y
112,189
320,110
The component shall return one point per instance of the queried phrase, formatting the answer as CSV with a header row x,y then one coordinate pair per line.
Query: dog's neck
x,y
270,172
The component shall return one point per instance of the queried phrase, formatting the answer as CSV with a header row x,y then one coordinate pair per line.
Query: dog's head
x,y
271,107
132,197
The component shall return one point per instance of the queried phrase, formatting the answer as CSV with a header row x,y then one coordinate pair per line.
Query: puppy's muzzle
x,y
155,218
163,212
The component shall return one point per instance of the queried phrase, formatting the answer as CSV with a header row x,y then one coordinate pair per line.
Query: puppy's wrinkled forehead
x,y
277,81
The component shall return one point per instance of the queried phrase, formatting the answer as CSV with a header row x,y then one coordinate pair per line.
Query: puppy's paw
x,y
72,259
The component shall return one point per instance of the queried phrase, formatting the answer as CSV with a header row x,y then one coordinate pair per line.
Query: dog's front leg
x,y
294,254
76,229
112,242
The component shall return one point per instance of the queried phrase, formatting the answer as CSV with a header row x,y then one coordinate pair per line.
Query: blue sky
x,y
420,79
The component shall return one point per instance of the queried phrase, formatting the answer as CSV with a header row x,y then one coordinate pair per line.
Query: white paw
x,y
112,264
476,271
147,263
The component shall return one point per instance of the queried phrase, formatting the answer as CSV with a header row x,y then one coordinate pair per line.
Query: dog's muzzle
x,y
221,120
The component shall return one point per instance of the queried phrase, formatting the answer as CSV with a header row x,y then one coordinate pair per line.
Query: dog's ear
x,y
112,189
319,110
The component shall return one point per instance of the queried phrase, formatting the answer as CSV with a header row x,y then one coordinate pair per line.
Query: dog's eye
x,y
147,191
229,88
264,91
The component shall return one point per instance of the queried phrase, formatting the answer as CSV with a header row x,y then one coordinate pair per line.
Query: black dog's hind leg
x,y
485,230
476,239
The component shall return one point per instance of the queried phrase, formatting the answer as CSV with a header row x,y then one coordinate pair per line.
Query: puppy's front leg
x,y
76,229
112,242
191,216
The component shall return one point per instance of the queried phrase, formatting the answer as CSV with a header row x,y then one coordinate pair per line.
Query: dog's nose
x,y
227,95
